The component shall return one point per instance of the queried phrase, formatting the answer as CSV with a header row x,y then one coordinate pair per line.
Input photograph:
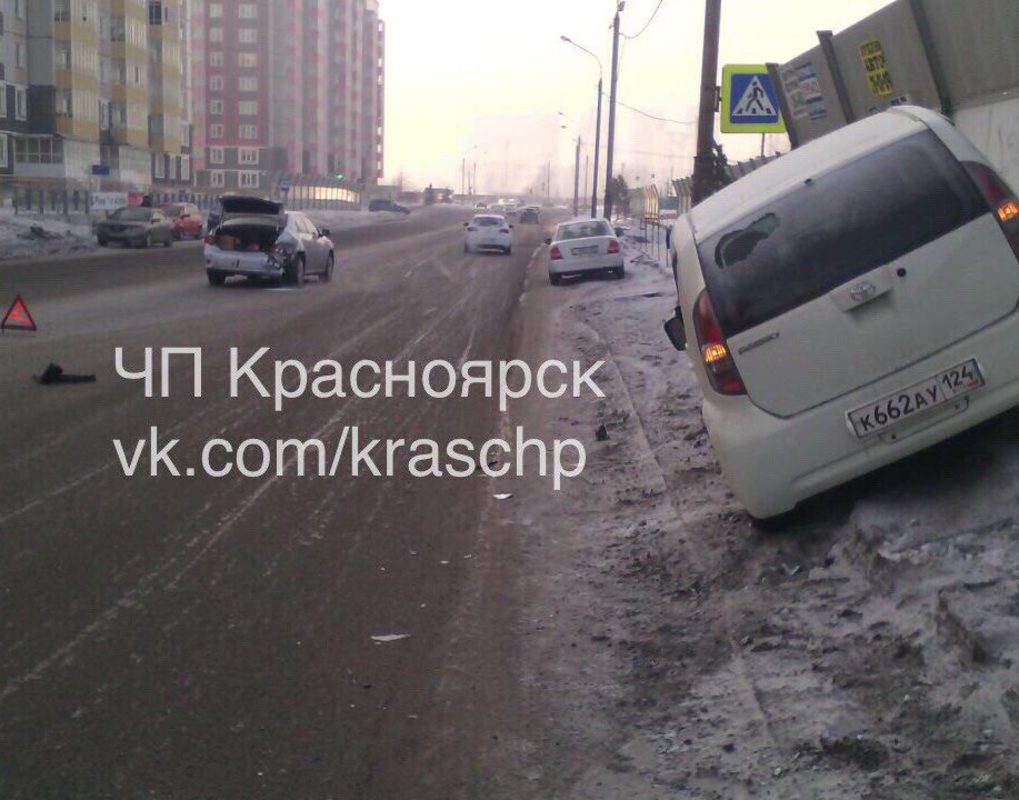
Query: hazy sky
x,y
486,78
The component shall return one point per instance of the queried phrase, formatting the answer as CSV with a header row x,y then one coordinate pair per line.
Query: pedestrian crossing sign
x,y
749,100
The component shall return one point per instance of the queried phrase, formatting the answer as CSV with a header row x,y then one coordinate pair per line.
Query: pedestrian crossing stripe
x,y
749,100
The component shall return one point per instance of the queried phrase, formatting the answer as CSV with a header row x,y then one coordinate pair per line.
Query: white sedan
x,y
488,232
584,246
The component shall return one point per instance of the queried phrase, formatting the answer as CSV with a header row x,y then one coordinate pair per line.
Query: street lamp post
x,y
612,112
597,127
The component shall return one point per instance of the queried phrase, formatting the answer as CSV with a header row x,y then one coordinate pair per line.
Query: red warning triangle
x,y
18,317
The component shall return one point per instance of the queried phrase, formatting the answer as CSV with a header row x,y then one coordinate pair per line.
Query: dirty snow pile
x,y
35,235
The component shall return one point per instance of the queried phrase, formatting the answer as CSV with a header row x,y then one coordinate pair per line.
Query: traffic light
x,y
339,176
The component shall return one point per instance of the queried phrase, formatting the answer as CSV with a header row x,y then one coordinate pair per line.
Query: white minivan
x,y
850,303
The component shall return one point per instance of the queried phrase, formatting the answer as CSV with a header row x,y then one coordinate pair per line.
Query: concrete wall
x,y
958,57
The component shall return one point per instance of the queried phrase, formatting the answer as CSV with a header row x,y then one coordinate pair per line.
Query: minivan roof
x,y
817,157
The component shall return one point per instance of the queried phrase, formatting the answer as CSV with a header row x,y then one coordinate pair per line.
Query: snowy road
x,y
633,636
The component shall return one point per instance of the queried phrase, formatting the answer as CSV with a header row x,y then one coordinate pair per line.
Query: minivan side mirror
x,y
676,330
323,232
548,240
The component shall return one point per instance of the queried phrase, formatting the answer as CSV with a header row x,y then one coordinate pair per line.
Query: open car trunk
x,y
247,235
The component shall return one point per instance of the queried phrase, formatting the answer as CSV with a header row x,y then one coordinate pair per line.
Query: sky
x,y
484,81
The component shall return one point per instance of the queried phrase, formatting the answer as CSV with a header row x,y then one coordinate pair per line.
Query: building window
x,y
216,107
63,105
249,84
247,11
247,36
247,60
247,155
216,10
21,104
216,83
19,8
158,166
216,155
155,12
248,108
19,54
3,99
4,162
215,34
217,178
248,132
248,180
216,58
185,169
216,131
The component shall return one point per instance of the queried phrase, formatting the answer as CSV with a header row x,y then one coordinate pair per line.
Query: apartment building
x,y
286,88
93,93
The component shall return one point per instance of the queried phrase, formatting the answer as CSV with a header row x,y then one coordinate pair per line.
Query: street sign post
x,y
284,186
749,100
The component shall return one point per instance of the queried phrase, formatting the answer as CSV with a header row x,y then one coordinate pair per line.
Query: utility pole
x,y
463,174
576,178
612,110
548,181
475,178
587,165
704,161
597,149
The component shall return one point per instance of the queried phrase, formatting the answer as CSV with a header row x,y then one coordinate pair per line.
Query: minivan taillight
x,y
999,198
555,254
718,363
613,247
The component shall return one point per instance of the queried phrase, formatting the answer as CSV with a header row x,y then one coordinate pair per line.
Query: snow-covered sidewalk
x,y
869,650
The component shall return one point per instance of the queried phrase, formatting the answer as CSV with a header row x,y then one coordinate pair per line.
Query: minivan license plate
x,y
905,403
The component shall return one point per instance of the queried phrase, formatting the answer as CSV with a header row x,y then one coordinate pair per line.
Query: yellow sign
x,y
878,76
749,100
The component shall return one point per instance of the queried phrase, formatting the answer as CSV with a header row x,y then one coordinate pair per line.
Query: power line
x,y
646,24
651,116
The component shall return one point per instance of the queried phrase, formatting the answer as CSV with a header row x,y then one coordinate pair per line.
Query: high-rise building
x,y
285,88
95,92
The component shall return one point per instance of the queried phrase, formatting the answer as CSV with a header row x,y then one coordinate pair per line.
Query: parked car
x,y
135,226
481,206
488,232
228,206
381,204
530,214
281,246
186,219
584,246
849,304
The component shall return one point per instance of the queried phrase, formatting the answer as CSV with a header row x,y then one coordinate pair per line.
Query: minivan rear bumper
x,y
774,463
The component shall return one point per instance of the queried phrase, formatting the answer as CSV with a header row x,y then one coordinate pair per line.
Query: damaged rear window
x,y
835,227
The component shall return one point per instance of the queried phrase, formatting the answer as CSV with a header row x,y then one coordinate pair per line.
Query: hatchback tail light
x,y
613,247
999,198
721,369
555,254
209,239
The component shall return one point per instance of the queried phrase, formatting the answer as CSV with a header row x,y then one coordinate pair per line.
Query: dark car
x,y
136,226
529,214
239,205
186,219
382,204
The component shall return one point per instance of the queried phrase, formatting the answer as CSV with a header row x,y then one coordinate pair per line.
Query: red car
x,y
186,219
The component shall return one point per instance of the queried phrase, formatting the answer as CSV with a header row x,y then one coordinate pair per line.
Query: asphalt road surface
x,y
198,637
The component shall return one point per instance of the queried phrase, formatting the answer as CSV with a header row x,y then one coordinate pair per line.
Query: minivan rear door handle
x,y
862,290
